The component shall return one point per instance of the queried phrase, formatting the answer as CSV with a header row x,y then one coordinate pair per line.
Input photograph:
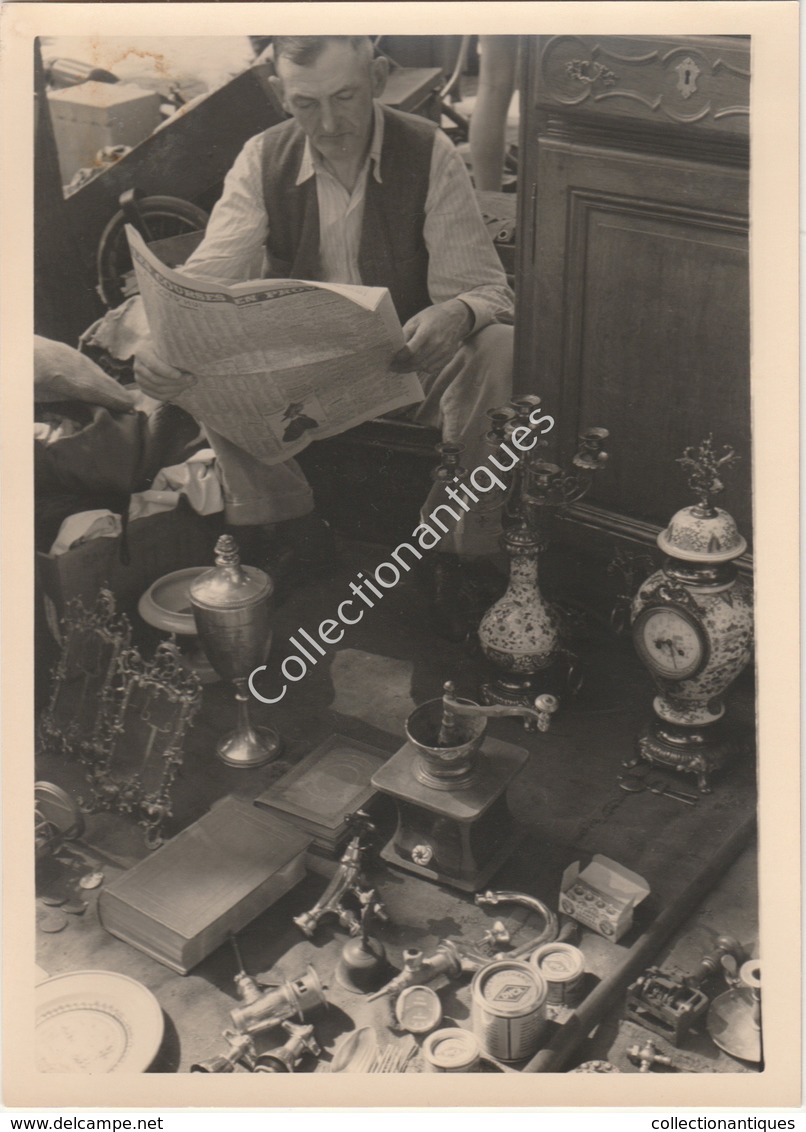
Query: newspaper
x,y
278,362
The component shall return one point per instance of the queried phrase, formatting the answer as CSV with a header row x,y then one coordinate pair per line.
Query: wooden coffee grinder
x,y
450,785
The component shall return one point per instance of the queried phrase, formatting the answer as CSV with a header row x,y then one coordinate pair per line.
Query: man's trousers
x,y
478,378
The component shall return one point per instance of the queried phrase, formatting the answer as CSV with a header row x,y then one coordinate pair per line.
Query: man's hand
x,y
433,336
157,378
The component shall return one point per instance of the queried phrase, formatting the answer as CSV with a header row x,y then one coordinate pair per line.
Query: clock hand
x,y
668,645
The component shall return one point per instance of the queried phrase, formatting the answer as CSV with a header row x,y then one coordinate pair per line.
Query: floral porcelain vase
x,y
519,634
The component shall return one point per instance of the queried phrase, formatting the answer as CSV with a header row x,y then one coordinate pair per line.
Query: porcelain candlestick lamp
x,y
692,625
521,634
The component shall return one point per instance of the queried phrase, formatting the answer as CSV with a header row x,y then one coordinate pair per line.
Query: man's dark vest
x,y
392,252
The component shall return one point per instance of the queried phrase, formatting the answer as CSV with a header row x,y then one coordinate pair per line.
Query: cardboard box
x,y
155,545
602,896
92,115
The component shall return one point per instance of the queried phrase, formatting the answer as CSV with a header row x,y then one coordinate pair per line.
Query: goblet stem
x,y
247,746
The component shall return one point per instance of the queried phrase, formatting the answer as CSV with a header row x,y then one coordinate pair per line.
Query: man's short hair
x,y
306,49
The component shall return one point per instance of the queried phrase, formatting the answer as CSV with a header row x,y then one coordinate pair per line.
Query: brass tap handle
x,y
498,933
446,960
300,1038
547,935
647,1056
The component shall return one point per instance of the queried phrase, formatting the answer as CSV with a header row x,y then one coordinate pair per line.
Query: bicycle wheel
x,y
160,217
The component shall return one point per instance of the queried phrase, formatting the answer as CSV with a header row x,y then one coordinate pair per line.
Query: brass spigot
x,y
347,879
264,1007
241,1049
646,1057
287,1057
418,969
247,988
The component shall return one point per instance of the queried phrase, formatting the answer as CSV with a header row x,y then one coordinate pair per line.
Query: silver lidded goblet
x,y
232,606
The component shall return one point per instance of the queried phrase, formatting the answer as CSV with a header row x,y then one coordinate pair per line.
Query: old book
x,y
330,783
181,902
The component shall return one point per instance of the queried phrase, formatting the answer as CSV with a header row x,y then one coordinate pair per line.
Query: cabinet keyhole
x,y
687,74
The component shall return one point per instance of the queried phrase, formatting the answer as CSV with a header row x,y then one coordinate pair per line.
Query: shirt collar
x,y
311,160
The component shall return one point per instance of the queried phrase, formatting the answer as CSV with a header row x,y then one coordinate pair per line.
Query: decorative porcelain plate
x,y
96,1022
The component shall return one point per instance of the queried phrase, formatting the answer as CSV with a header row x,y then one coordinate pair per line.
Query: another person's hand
x,y
433,336
158,378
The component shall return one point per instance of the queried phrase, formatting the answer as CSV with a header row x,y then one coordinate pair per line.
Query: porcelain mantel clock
x,y
692,624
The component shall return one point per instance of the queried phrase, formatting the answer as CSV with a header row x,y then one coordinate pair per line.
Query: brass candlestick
x,y
232,609
734,1020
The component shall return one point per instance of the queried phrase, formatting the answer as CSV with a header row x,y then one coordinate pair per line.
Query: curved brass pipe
x,y
506,896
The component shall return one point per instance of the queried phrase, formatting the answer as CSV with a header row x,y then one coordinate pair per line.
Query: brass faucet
x,y
347,879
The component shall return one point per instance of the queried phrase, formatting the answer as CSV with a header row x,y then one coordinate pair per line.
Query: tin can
x,y
451,1051
563,967
508,1004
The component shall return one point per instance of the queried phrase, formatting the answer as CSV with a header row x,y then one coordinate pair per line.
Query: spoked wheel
x,y
155,218
56,818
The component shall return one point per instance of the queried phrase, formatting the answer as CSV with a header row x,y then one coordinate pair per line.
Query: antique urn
x,y
232,610
692,626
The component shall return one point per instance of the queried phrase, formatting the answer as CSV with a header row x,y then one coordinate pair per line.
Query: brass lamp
x,y
232,609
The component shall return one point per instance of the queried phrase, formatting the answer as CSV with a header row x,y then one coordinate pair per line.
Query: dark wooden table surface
x,y
566,802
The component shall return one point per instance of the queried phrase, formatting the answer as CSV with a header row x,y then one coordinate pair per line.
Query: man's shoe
x,y
302,550
460,593
311,540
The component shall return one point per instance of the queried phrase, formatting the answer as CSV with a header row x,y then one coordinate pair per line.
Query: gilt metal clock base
x,y
688,750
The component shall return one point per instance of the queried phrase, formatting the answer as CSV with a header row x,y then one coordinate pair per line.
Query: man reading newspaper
x,y
350,191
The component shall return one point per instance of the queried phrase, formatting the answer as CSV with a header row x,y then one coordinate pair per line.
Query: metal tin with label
x,y
563,967
451,1051
508,1003
418,1009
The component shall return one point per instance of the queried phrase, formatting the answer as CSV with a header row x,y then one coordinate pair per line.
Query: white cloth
x,y
462,261
196,479
83,526
55,428
121,331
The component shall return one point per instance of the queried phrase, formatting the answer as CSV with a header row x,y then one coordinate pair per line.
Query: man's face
x,y
331,99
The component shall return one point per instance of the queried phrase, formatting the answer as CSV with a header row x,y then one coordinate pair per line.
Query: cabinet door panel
x,y
640,317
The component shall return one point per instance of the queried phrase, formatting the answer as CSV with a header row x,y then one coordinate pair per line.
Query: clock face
x,y
670,642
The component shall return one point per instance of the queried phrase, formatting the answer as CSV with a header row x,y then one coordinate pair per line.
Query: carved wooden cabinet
x,y
632,271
